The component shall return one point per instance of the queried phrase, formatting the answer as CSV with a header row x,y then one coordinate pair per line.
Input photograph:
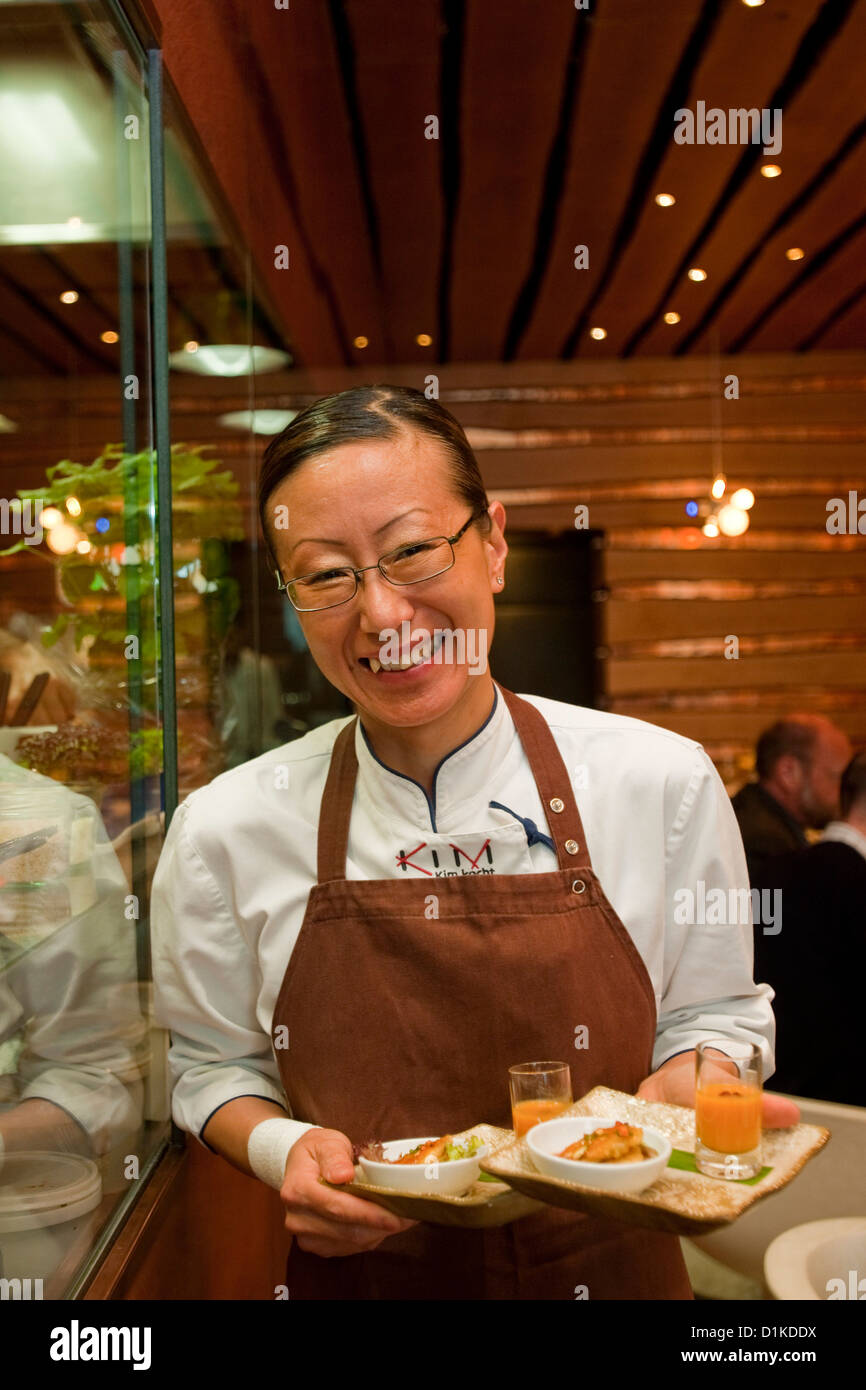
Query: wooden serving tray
x,y
484,1204
681,1202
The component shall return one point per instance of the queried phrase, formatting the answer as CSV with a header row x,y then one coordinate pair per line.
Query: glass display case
x,y
130,667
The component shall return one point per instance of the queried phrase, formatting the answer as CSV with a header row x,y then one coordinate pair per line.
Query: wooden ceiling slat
x,y
398,58
771,274
616,111
735,72
790,77
798,309
511,89
304,95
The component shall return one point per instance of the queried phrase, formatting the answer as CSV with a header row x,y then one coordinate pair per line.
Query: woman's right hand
x,y
323,1221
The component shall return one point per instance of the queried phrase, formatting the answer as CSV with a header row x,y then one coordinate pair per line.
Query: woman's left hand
x,y
674,1083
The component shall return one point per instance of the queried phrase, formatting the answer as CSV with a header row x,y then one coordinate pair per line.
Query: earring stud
x,y
499,579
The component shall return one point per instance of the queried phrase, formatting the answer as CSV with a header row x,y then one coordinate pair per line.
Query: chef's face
x,y
356,503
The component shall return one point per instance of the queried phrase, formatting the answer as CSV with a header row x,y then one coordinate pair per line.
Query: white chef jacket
x,y
231,886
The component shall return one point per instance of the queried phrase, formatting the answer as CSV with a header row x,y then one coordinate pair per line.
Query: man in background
x,y
799,762
817,962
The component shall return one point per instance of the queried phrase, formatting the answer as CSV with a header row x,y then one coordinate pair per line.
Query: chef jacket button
x,y
557,804
578,886
572,846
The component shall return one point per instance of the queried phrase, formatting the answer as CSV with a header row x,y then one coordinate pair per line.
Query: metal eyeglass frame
x,y
283,585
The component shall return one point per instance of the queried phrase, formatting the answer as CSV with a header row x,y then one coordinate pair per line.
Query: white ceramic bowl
x,y
433,1179
818,1260
547,1140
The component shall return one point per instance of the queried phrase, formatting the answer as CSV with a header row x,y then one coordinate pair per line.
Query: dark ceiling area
x,y
555,129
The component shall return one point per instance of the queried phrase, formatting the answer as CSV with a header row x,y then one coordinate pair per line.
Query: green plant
x,y
111,589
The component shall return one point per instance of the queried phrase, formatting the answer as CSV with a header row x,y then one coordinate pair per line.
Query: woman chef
x,y
365,928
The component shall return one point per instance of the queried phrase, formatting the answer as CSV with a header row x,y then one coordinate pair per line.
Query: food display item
x,y
616,1143
443,1150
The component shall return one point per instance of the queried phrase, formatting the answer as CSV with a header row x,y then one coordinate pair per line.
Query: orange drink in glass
x,y
539,1091
728,1109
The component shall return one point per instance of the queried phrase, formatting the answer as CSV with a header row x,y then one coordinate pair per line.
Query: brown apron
x,y
403,1023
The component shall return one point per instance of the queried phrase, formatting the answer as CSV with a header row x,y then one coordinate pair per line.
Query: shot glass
x,y
539,1091
728,1110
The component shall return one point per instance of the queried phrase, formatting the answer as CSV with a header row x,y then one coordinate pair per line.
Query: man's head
x,y
852,793
800,761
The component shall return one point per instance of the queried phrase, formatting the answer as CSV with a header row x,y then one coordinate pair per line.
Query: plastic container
x,y
45,1199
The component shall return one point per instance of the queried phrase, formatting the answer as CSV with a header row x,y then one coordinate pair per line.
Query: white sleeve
x,y
206,982
708,985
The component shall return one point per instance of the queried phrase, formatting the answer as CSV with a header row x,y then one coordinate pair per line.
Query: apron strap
x,y
336,808
553,782
545,760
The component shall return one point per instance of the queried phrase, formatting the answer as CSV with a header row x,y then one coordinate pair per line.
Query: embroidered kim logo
x,y
453,861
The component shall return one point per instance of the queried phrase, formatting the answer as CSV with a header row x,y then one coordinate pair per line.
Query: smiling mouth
x,y
421,654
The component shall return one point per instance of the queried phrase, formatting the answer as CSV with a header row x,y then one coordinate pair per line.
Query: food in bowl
x,y
438,1166
548,1142
616,1143
444,1150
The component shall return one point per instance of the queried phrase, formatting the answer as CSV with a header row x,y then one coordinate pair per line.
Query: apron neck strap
x,y
545,760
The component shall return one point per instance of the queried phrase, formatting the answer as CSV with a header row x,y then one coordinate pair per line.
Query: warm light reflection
x,y
69,297
423,339
598,333
672,316
795,253
73,506
771,171
109,336
697,274
63,538
360,341
718,488
743,498
665,200
50,516
710,528
733,521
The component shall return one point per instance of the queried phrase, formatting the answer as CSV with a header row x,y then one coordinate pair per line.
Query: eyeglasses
x,y
408,564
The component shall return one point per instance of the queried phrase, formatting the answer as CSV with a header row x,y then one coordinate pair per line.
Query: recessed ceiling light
x,y
69,297
771,171
423,340
360,341
109,336
598,333
753,4
697,274
665,200
228,359
672,317
795,253
259,421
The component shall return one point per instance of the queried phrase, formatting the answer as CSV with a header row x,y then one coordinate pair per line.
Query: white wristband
x,y
268,1147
